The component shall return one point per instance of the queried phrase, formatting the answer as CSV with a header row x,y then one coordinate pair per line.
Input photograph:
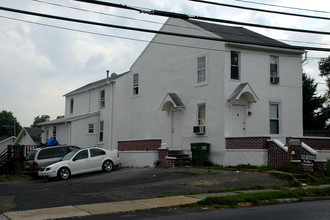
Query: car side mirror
x,y
74,159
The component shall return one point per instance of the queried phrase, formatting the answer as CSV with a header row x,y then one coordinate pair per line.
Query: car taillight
x,y
35,164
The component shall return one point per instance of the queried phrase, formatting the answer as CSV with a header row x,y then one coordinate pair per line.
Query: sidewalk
x,y
115,207
99,208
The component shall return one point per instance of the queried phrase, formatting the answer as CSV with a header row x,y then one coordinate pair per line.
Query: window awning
x,y
171,102
243,93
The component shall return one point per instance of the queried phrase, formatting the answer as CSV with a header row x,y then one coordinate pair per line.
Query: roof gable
x,y
95,84
239,34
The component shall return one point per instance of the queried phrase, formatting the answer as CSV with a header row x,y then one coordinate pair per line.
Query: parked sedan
x,y
82,161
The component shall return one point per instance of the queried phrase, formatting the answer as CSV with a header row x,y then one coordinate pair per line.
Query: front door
x,y
238,120
176,129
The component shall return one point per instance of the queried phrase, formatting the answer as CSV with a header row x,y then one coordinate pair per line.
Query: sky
x,y
41,63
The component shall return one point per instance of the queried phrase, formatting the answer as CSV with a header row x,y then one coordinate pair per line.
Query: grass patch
x,y
10,177
261,198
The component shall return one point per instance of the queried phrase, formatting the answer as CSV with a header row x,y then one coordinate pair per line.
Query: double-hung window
x,y
101,131
54,132
201,114
235,65
90,128
274,118
71,105
136,84
102,98
273,65
201,69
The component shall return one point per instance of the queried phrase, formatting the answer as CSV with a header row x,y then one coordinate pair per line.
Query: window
x,y
273,65
45,154
102,99
136,84
96,152
81,155
101,131
274,119
90,128
201,115
54,132
201,69
235,62
71,105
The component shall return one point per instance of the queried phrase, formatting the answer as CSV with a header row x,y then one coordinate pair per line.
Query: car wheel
x,y
107,166
63,173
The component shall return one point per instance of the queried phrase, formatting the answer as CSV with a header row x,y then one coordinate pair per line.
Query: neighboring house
x,y
28,136
5,141
184,90
88,116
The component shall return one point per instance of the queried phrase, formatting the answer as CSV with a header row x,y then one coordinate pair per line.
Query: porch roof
x,y
68,119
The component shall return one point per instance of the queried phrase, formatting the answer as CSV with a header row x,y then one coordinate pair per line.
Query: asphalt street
x,y
122,185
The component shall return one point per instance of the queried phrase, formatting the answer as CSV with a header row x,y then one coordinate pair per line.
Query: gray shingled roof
x,y
35,134
240,34
95,84
67,119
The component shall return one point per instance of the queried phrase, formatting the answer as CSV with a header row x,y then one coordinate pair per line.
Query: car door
x,y
80,162
97,157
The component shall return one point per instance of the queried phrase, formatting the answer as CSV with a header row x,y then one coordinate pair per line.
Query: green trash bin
x,y
199,153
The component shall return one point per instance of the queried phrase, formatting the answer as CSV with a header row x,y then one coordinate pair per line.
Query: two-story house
x,y
88,116
239,86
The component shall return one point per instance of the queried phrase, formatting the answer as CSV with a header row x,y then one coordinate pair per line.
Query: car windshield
x,y
31,155
69,155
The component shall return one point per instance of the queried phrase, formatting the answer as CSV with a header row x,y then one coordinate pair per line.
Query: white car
x,y
82,161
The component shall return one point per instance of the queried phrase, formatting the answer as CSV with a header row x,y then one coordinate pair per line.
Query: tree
x,y
313,118
324,67
40,119
9,126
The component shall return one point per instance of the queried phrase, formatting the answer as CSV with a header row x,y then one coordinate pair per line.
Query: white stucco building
x,y
183,90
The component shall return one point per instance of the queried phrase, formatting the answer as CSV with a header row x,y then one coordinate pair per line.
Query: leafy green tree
x,y
324,67
312,104
40,119
9,126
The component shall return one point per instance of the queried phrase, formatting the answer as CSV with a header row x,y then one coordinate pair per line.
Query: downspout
x,y
111,116
66,123
304,60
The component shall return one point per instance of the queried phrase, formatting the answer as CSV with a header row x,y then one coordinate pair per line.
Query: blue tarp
x,y
51,142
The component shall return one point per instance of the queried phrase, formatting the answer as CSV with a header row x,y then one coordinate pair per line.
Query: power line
x,y
153,22
96,12
184,16
158,32
132,39
260,10
281,6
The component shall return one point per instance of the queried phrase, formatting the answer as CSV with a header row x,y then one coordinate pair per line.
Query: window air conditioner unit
x,y
199,130
274,80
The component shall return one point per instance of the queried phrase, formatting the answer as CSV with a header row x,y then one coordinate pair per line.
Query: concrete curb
x,y
127,206
99,208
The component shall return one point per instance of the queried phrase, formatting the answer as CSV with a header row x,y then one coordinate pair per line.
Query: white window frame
x,y
201,121
54,132
276,118
102,99
136,78
101,131
274,60
238,65
202,70
90,128
71,105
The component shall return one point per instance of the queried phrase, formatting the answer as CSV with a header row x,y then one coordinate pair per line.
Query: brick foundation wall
x,y
316,143
276,155
139,145
246,142
165,163
320,166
